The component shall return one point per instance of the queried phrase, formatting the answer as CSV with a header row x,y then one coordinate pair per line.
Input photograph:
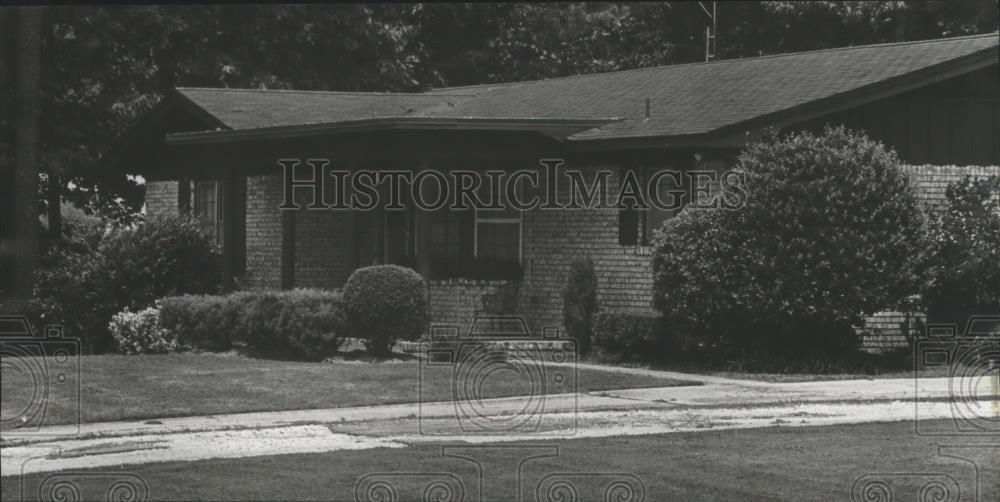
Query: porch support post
x,y
184,196
233,236
287,248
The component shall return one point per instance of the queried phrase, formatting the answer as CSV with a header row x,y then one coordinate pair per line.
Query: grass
x,y
780,464
115,387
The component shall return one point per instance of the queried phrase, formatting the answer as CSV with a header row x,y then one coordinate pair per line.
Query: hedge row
x,y
630,335
301,324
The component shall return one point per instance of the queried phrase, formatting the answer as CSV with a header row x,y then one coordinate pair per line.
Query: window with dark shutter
x,y
668,191
628,215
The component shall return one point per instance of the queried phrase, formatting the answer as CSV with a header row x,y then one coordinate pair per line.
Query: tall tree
x,y
25,221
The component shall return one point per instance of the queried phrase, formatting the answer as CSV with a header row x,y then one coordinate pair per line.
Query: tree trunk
x,y
25,222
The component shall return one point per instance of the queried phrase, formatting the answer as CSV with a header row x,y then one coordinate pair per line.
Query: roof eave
x,y
555,128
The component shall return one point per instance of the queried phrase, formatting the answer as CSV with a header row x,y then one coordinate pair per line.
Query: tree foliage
x,y
104,66
965,253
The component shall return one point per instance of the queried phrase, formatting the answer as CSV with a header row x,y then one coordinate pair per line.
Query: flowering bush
x,y
140,332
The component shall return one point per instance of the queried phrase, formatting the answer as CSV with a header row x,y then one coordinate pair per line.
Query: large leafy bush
x,y
830,231
580,302
385,303
965,253
81,286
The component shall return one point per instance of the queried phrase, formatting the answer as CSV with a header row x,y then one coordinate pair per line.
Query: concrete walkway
x,y
719,403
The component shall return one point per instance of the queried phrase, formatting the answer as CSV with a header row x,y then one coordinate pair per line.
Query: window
x,y
498,233
668,188
636,225
446,235
498,236
208,204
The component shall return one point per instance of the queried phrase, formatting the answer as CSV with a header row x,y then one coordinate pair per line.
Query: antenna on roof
x,y
710,32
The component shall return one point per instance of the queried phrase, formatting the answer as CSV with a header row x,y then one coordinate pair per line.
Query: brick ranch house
x,y
214,152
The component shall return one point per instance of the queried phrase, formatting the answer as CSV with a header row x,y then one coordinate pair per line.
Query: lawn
x,y
115,387
782,464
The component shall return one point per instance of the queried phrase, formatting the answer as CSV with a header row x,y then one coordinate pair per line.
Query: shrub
x,y
140,332
630,335
205,322
299,324
580,302
385,303
965,253
164,256
831,231
83,286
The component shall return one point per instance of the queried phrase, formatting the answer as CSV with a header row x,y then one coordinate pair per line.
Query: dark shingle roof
x,y
684,99
255,108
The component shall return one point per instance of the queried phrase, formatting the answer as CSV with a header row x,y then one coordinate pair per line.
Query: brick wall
x,y
324,254
555,238
263,233
324,248
161,197
930,181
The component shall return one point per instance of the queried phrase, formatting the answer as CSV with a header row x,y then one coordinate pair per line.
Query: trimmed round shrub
x,y
140,332
385,303
831,231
